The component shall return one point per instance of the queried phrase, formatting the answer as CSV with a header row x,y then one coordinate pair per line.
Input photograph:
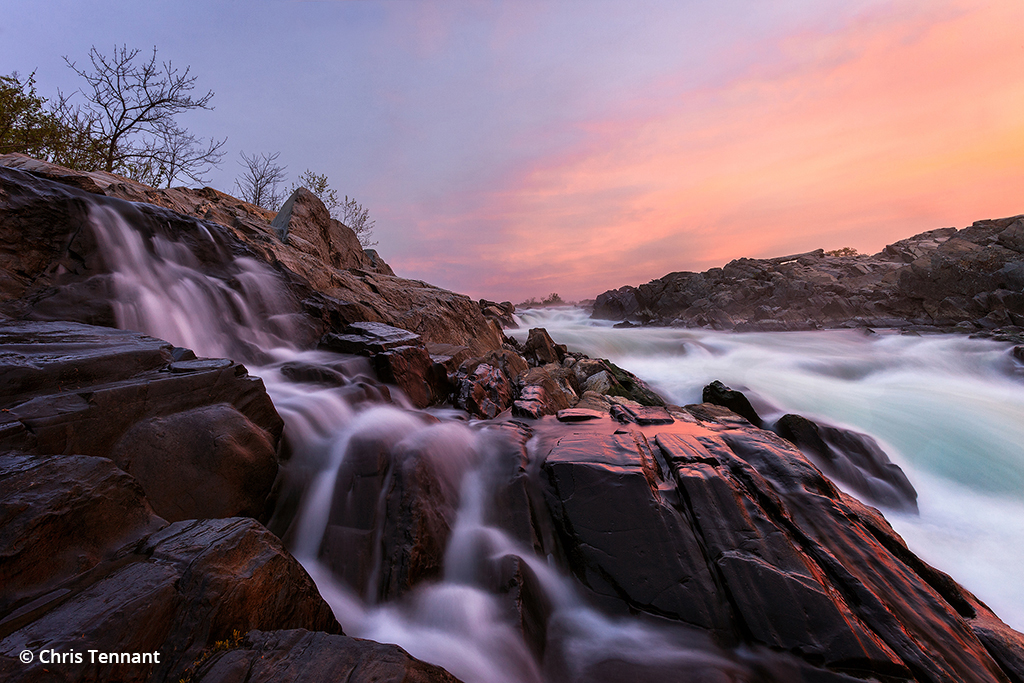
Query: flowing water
x,y
947,409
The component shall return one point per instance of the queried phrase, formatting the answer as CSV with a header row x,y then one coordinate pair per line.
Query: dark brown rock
x,y
298,656
201,463
851,458
540,349
721,395
61,516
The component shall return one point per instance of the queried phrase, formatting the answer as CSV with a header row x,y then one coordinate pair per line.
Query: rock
x,y
412,370
223,465
485,392
376,263
721,395
304,222
176,593
541,350
851,458
729,529
448,355
85,561
580,414
368,338
503,313
300,655
617,304
60,517
184,428
544,391
933,279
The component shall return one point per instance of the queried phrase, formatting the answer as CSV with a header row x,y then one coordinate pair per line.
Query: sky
x,y
509,149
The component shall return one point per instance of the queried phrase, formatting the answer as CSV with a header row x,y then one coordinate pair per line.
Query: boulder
x,y
304,222
540,349
721,395
851,458
730,530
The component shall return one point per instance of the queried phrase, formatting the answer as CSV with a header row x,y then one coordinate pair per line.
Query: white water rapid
x,y
948,410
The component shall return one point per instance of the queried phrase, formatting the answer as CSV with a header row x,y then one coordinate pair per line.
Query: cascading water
x,y
947,409
458,620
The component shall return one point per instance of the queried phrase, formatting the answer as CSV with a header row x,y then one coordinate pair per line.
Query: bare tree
x,y
358,218
131,105
259,183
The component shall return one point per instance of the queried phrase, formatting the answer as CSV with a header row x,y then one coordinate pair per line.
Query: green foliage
x,y
31,125
842,251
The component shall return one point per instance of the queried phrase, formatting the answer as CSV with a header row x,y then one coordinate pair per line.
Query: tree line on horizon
x,y
126,125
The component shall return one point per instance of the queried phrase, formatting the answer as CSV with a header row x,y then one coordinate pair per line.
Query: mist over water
x,y
948,410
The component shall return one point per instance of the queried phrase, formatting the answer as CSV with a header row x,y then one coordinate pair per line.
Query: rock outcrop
x,y
53,271
970,280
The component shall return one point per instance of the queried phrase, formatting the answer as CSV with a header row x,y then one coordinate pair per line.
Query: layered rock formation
x,y
130,473
970,280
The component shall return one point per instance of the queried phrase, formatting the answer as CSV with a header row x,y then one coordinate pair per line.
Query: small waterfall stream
x,y
949,409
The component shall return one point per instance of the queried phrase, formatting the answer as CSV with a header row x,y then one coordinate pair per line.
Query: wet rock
x,y
580,415
368,338
851,458
412,370
540,349
730,529
541,393
300,655
450,356
721,395
176,593
60,517
223,465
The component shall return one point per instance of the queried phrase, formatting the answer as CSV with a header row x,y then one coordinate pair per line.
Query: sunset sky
x,y
510,149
